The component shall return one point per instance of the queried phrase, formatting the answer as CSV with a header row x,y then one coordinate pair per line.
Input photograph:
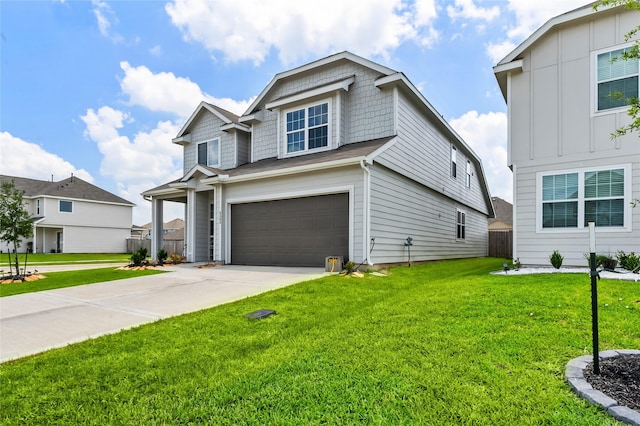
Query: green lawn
x,y
57,258
441,343
71,279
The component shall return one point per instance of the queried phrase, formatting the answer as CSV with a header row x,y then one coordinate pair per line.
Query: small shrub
x,y
630,261
349,267
556,259
139,257
176,258
162,256
606,262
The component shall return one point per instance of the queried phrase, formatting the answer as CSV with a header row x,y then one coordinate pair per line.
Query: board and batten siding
x,y
300,185
401,208
553,127
534,246
423,153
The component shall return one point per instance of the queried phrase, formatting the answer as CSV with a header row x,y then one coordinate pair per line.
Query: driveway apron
x,y
35,322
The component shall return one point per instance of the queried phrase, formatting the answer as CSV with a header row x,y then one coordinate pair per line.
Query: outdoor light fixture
x,y
506,267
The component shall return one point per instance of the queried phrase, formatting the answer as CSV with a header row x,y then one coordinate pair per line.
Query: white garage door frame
x,y
284,196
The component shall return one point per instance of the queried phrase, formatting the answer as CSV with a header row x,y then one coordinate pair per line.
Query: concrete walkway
x,y
35,322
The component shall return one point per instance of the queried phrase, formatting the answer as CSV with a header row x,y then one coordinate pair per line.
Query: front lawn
x,y
441,343
35,259
72,279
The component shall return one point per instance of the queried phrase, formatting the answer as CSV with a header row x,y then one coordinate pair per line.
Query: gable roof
x,y
70,188
513,60
342,56
227,117
503,210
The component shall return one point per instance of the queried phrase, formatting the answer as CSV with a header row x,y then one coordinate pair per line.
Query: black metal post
x,y
594,313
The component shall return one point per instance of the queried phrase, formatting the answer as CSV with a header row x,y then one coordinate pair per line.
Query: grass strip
x,y
440,343
69,258
72,278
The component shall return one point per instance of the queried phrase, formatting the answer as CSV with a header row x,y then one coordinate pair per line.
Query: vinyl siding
x,y
86,214
401,208
82,239
316,183
423,153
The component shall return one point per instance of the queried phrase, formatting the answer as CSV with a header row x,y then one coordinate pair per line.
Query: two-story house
x,y
338,157
559,86
73,216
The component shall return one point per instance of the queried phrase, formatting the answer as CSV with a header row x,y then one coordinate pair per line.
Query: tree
x,y
633,53
15,222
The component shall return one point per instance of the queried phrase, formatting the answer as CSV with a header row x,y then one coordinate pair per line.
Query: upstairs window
x,y
307,128
209,153
37,207
454,153
65,206
617,80
468,175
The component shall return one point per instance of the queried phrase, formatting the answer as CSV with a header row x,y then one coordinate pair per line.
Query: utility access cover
x,y
262,313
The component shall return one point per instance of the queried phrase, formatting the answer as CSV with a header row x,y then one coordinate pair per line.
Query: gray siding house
x,y
566,169
339,157
73,216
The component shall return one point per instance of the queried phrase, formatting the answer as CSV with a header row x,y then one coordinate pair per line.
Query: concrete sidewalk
x,y
35,322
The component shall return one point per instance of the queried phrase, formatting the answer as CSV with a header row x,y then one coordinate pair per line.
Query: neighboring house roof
x,y
178,234
513,60
71,188
503,210
176,223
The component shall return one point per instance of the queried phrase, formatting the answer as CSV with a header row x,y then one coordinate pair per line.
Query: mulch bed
x,y
619,379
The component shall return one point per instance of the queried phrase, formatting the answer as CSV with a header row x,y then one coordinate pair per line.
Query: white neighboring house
x,y
73,216
338,157
566,169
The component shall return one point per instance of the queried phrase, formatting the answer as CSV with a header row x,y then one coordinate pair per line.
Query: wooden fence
x,y
171,246
501,244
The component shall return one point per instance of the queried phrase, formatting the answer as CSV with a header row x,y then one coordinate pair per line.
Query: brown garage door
x,y
292,232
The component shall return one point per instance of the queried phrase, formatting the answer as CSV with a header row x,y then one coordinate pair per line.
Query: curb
x,y
575,378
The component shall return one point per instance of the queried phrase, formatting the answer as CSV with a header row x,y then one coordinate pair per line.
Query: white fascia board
x,y
371,157
194,169
182,140
161,192
258,116
235,126
323,90
201,105
509,66
284,172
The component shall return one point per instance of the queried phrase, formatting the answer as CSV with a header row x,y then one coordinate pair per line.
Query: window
x,y
307,128
454,153
65,206
468,175
209,153
617,80
572,200
460,225
37,207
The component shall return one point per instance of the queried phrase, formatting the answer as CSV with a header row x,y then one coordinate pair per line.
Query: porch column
x,y
190,226
157,222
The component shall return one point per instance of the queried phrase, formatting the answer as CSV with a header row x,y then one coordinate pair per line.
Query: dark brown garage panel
x,y
292,232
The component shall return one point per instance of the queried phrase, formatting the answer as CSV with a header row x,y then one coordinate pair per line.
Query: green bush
x,y
139,257
606,262
556,259
176,258
630,261
162,256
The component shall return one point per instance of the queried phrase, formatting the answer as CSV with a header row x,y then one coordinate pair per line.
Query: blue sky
x,y
99,88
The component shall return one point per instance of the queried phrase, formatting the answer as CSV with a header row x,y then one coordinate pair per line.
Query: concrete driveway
x,y
35,322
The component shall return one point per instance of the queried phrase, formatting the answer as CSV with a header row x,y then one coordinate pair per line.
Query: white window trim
x,y
453,159
208,142
594,81
581,225
306,106
458,210
468,174
65,212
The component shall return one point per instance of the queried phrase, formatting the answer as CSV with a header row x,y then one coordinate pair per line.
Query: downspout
x,y
366,227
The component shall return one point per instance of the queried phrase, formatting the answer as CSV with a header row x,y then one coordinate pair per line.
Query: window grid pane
x,y
202,153
295,142
604,212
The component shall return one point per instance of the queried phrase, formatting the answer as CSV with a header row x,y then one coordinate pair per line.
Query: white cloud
x,y
249,30
166,92
148,160
466,9
156,50
106,17
24,159
497,51
531,14
487,136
